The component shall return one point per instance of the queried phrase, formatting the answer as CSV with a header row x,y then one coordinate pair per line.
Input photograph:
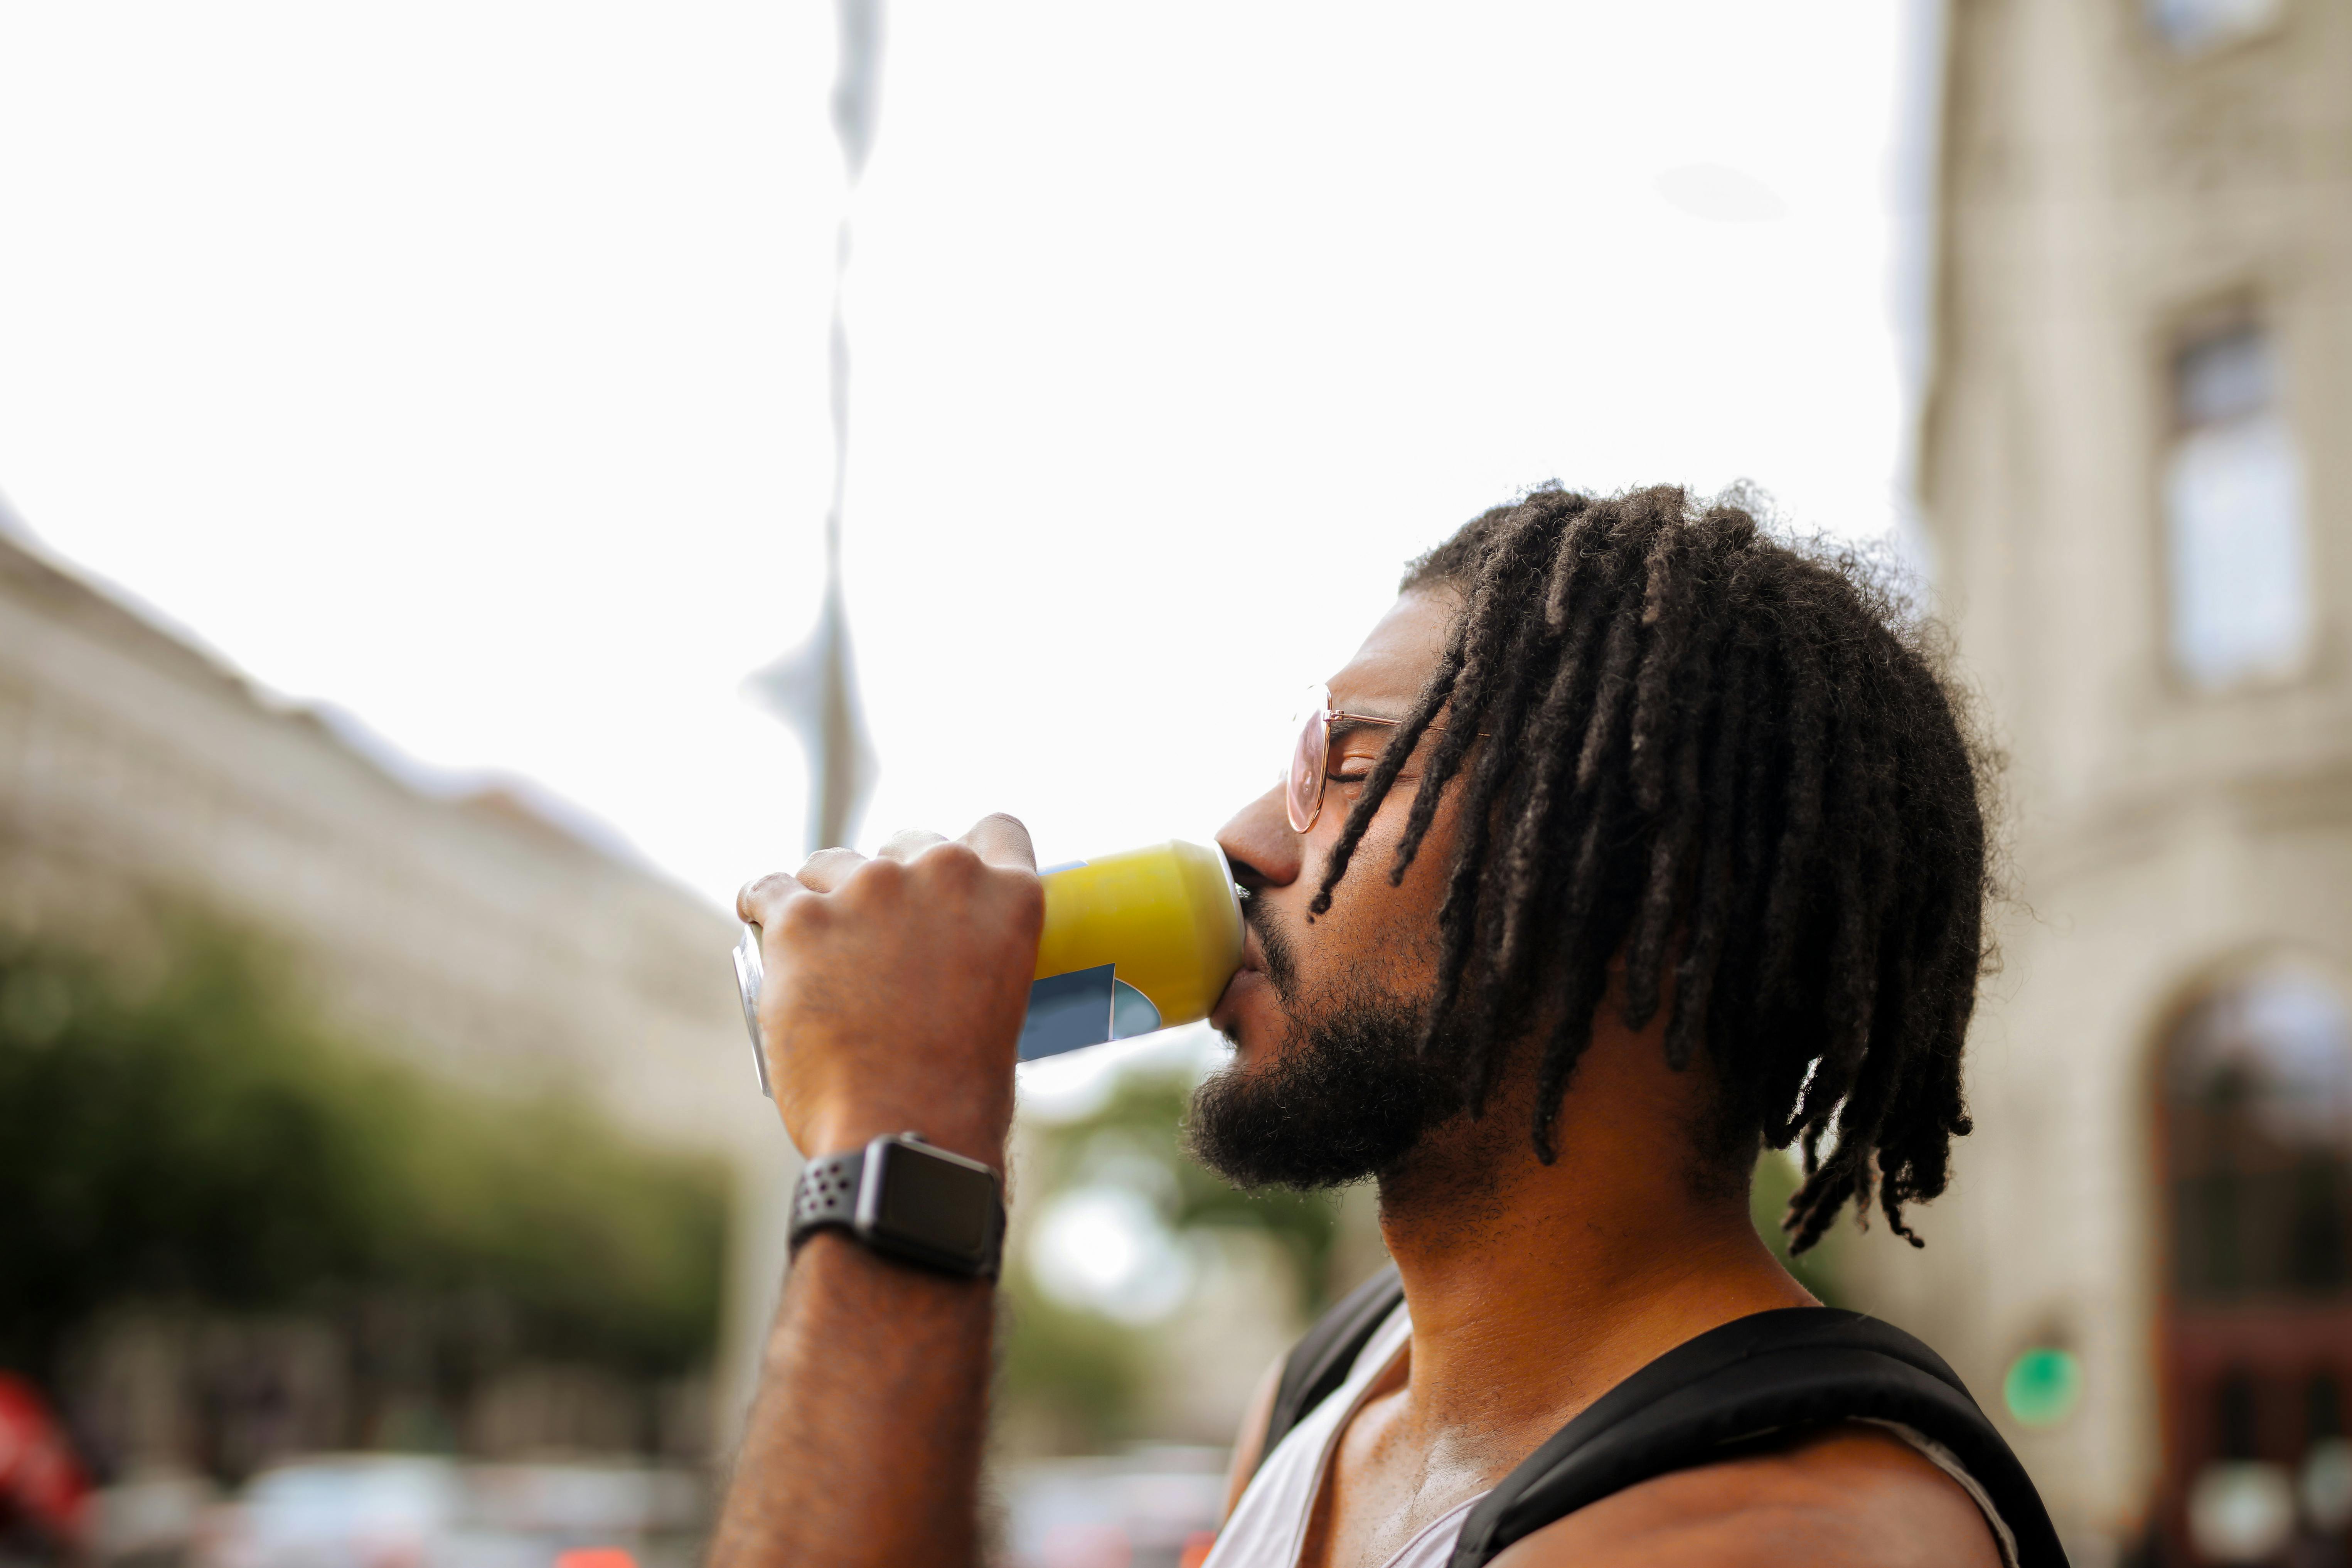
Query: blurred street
x,y
451,455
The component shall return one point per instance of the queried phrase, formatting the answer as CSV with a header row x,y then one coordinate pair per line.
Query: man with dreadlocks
x,y
1633,840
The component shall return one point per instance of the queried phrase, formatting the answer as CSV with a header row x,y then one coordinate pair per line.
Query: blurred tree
x,y
1145,1115
201,1140
1071,1380
1777,1180
1082,1375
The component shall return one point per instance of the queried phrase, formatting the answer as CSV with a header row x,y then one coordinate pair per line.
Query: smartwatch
x,y
908,1201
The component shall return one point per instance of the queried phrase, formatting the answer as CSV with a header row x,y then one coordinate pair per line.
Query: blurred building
x,y
478,930
2137,473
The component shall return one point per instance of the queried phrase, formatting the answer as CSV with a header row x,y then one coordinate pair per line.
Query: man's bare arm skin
x,y
1851,1495
895,992
864,1444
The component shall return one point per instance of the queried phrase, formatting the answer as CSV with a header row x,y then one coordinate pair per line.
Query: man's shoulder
x,y
1850,1494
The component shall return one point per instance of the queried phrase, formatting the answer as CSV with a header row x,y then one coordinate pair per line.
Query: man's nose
x,y
1259,843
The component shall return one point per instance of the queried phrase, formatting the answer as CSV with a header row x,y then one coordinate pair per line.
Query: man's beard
x,y
1347,1095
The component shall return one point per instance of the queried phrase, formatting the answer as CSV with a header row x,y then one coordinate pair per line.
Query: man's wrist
x,y
838,1250
838,1131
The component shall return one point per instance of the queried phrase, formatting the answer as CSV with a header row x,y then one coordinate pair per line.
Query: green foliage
x,y
1082,1373
1777,1180
1145,1116
202,1139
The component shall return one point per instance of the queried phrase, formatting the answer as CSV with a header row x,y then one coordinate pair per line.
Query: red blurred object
x,y
595,1557
41,1482
1196,1549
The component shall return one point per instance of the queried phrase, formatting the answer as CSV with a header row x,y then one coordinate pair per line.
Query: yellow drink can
x,y
1135,942
1139,941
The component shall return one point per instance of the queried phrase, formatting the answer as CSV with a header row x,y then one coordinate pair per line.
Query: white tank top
x,y
1269,1527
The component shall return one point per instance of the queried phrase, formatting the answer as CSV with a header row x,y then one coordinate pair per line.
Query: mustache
x,y
1274,939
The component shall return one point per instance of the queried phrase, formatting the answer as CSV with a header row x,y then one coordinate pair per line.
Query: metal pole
x,y
814,689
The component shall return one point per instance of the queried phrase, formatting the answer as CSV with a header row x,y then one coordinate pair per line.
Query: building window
x,y
2259,1093
2255,1103
2191,25
2241,609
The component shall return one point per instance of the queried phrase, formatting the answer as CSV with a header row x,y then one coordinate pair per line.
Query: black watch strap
x,y
929,1208
827,1193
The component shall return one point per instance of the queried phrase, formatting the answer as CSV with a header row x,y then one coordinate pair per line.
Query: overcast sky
x,y
462,366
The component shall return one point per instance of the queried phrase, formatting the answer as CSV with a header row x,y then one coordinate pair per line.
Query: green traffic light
x,y
2043,1385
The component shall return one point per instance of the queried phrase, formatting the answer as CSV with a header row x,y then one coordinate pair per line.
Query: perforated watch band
x,y
827,1193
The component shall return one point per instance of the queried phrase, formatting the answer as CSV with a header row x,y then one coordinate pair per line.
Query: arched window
x,y
2259,1111
2256,1084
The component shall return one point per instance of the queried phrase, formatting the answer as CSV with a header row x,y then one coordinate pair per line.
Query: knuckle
x,y
801,917
759,896
878,878
956,862
760,890
1027,895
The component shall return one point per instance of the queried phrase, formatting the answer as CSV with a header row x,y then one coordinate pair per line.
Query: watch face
x,y
935,1202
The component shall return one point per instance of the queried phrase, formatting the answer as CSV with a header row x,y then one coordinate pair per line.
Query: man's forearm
x,y
864,1445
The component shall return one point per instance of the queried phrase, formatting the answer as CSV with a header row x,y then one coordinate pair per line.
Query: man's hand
x,y
895,987
893,1001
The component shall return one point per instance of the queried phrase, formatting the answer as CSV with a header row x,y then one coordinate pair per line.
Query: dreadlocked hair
x,y
1735,760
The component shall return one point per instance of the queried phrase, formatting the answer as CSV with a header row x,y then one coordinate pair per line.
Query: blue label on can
x,y
1067,1011
1084,1007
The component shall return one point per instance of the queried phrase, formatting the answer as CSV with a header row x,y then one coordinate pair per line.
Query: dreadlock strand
x,y
1694,976
1495,769
1574,554
1610,692
1645,949
1810,680
1472,685
1665,615
1383,778
1563,1050
1472,697
1571,693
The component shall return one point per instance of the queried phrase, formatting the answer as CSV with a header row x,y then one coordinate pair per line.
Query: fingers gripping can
x,y
1135,942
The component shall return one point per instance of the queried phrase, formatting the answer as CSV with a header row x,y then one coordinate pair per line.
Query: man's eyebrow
x,y
1349,724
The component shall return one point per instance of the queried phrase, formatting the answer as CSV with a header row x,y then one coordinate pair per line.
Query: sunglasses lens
x,y
1302,793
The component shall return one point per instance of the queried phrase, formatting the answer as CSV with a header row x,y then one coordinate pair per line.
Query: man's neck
x,y
1534,1287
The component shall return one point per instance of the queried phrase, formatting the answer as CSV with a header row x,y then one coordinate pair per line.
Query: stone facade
x,y
473,931
2120,181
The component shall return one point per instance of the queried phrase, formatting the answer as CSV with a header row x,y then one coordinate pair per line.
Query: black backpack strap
x,y
1320,1361
1771,1373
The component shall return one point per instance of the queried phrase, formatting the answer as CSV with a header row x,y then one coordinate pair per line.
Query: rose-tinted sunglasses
x,y
1310,755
